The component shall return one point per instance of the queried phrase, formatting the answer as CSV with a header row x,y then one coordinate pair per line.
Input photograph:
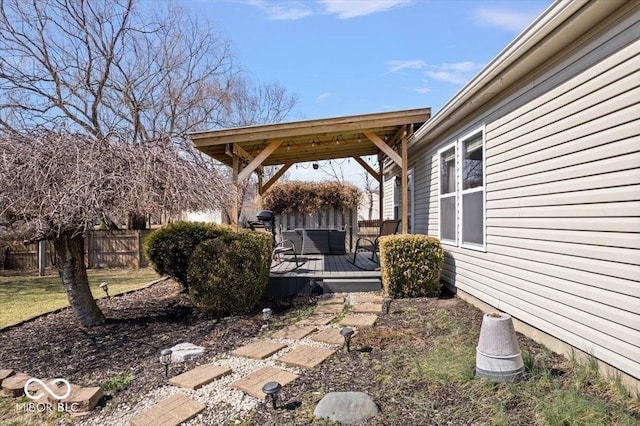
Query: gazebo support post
x,y
235,201
380,190
405,182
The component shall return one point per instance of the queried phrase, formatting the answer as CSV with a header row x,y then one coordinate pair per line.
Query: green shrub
x,y
411,265
230,277
169,248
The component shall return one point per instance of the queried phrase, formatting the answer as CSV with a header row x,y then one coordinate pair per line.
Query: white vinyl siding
x,y
562,190
563,207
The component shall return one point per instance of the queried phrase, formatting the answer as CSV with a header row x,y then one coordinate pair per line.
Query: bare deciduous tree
x,y
371,190
56,185
334,170
106,66
251,105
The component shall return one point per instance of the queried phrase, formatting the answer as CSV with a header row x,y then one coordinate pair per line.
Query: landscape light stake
x,y
266,315
165,359
387,304
347,333
271,389
105,287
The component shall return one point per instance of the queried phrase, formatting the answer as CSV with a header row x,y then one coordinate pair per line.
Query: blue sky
x,y
344,57
347,57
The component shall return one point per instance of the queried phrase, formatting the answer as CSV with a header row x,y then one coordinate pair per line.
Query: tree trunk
x,y
70,263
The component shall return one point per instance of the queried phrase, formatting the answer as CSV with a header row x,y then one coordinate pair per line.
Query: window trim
x,y
454,194
469,245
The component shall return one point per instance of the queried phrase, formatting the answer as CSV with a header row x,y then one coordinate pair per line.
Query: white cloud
x,y
502,18
346,9
395,66
423,90
323,96
297,9
456,73
283,10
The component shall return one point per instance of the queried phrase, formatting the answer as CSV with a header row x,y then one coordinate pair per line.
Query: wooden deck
x,y
324,273
327,266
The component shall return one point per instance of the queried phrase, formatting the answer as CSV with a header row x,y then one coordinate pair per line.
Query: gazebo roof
x,y
311,140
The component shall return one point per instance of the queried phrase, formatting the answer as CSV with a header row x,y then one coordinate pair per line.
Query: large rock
x,y
348,408
186,351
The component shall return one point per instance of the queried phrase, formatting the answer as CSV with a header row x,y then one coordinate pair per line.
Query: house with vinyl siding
x,y
530,177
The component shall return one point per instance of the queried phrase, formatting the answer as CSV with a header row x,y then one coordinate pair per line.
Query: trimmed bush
x,y
309,197
169,248
228,278
411,265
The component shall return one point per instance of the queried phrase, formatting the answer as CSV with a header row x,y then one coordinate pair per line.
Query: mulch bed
x,y
139,325
142,323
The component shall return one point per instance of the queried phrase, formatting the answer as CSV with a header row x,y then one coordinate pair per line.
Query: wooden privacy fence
x,y
103,249
115,249
17,256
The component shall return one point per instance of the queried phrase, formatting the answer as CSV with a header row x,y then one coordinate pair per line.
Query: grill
x,y
268,219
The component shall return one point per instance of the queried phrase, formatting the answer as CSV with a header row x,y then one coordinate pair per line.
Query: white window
x,y
448,194
397,197
472,190
388,207
463,184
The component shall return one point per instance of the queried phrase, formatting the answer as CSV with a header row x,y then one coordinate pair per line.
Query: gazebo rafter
x,y
249,149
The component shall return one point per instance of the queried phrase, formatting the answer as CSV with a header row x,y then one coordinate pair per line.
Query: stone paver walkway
x,y
199,376
253,383
81,399
180,408
169,412
329,309
361,321
306,356
368,308
367,298
318,320
5,373
13,386
294,332
258,350
331,336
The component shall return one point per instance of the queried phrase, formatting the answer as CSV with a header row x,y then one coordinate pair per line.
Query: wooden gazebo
x,y
248,149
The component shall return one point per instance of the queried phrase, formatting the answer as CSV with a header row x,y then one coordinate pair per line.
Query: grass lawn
x,y
22,297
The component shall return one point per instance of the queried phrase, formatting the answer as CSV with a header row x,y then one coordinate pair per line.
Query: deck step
x,y
348,285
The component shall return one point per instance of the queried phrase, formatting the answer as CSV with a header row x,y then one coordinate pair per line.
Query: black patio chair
x,y
388,227
280,248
